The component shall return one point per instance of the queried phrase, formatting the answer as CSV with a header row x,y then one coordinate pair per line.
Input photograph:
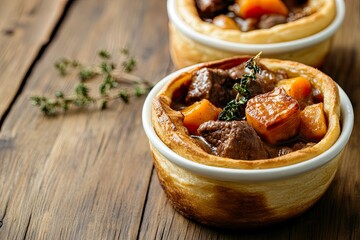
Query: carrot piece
x,y
298,87
198,113
313,122
257,8
275,116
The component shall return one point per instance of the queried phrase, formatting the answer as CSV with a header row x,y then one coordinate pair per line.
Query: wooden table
x,y
89,174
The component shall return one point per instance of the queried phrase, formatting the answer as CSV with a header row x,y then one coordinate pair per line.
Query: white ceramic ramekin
x,y
200,47
239,198
226,174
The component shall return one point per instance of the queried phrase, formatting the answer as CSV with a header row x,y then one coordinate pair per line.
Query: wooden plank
x,y
336,215
25,26
84,175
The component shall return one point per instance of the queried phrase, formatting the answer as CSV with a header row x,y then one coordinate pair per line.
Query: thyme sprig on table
x,y
231,111
116,84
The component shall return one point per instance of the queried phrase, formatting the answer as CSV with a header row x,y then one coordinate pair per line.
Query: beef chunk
x,y
283,150
212,84
265,81
291,4
298,9
270,20
216,85
211,8
238,71
234,139
297,14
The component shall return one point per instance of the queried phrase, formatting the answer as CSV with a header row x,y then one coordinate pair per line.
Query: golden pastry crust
x,y
186,51
168,122
323,12
241,204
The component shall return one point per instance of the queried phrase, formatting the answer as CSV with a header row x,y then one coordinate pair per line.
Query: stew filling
x,y
250,112
247,15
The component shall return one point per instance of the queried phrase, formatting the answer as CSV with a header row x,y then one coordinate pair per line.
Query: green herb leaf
x,y
106,68
82,90
232,110
139,91
125,51
35,100
59,94
104,54
111,79
129,65
86,74
61,65
124,96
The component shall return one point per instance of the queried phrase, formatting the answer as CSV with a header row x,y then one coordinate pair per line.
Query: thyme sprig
x,y
116,84
231,111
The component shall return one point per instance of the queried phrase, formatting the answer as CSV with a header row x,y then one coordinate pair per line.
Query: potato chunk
x,y
313,122
275,116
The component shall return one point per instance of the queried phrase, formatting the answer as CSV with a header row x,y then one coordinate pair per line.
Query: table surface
x,y
89,174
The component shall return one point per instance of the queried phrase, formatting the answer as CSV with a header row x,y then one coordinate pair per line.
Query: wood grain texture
x,y
25,26
89,174
84,175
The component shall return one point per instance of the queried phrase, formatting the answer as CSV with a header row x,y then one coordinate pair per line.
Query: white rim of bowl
x,y
270,48
230,174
